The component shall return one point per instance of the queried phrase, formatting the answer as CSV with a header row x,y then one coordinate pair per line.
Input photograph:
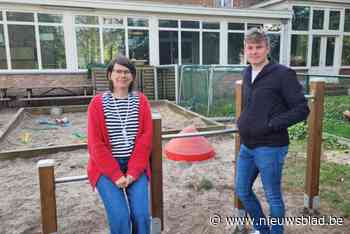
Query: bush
x,y
298,131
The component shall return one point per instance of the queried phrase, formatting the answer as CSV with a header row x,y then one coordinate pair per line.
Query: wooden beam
x,y
157,171
239,106
12,124
47,196
314,143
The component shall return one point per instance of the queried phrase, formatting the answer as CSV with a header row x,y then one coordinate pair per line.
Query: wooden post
x,y
157,175
311,198
47,196
239,106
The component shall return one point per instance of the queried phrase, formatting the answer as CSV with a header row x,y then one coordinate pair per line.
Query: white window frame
x,y
209,30
36,25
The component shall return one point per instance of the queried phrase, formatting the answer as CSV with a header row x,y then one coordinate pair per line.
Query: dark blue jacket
x,y
271,104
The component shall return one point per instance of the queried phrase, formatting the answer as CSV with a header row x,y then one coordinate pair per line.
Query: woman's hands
x,y
124,181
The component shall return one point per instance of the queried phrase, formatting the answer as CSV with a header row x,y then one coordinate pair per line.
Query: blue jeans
x,y
268,161
116,206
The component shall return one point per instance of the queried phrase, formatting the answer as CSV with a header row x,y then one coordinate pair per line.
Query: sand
x,y
187,205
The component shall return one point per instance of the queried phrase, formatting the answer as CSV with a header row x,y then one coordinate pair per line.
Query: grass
x,y
334,180
333,121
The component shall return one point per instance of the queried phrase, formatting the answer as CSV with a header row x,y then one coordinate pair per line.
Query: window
x,y
318,19
316,48
275,47
189,24
139,45
113,21
330,51
113,43
135,22
299,50
83,19
88,46
23,50
334,20
53,54
52,46
50,18
301,18
211,48
347,21
168,47
22,41
3,61
20,16
190,47
236,26
168,23
210,25
235,48
346,51
249,26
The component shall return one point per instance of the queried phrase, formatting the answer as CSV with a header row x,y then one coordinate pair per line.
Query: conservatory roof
x,y
154,8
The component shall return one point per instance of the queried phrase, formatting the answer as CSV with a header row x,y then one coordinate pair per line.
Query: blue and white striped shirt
x,y
128,117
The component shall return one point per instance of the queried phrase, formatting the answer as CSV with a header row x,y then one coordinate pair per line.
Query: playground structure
x,y
48,182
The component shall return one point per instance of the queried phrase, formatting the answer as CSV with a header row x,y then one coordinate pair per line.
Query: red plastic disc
x,y
189,148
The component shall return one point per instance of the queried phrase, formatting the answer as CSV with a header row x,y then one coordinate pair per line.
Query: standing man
x,y
273,100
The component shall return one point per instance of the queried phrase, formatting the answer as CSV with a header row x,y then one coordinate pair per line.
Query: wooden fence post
x,y
238,106
311,196
157,176
47,196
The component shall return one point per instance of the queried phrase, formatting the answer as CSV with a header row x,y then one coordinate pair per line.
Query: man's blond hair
x,y
256,35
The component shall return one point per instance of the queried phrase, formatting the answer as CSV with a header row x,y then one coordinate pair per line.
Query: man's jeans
x,y
268,161
116,206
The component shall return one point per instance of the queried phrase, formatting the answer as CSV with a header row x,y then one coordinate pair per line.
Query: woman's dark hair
x,y
123,61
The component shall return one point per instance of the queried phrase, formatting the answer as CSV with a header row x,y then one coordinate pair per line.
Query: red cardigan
x,y
101,161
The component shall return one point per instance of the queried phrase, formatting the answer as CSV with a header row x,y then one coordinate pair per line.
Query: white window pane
x,y
235,48
3,61
168,47
113,21
330,51
20,16
53,54
88,45
301,18
139,45
49,18
235,26
22,47
318,19
135,22
190,47
275,44
299,50
334,20
316,49
168,23
114,43
347,21
84,19
346,51
211,48
189,24
210,25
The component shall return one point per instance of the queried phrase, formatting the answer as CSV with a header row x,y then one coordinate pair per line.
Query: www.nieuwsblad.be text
x,y
217,220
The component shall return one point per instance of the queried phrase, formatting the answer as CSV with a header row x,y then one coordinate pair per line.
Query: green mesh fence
x,y
209,89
